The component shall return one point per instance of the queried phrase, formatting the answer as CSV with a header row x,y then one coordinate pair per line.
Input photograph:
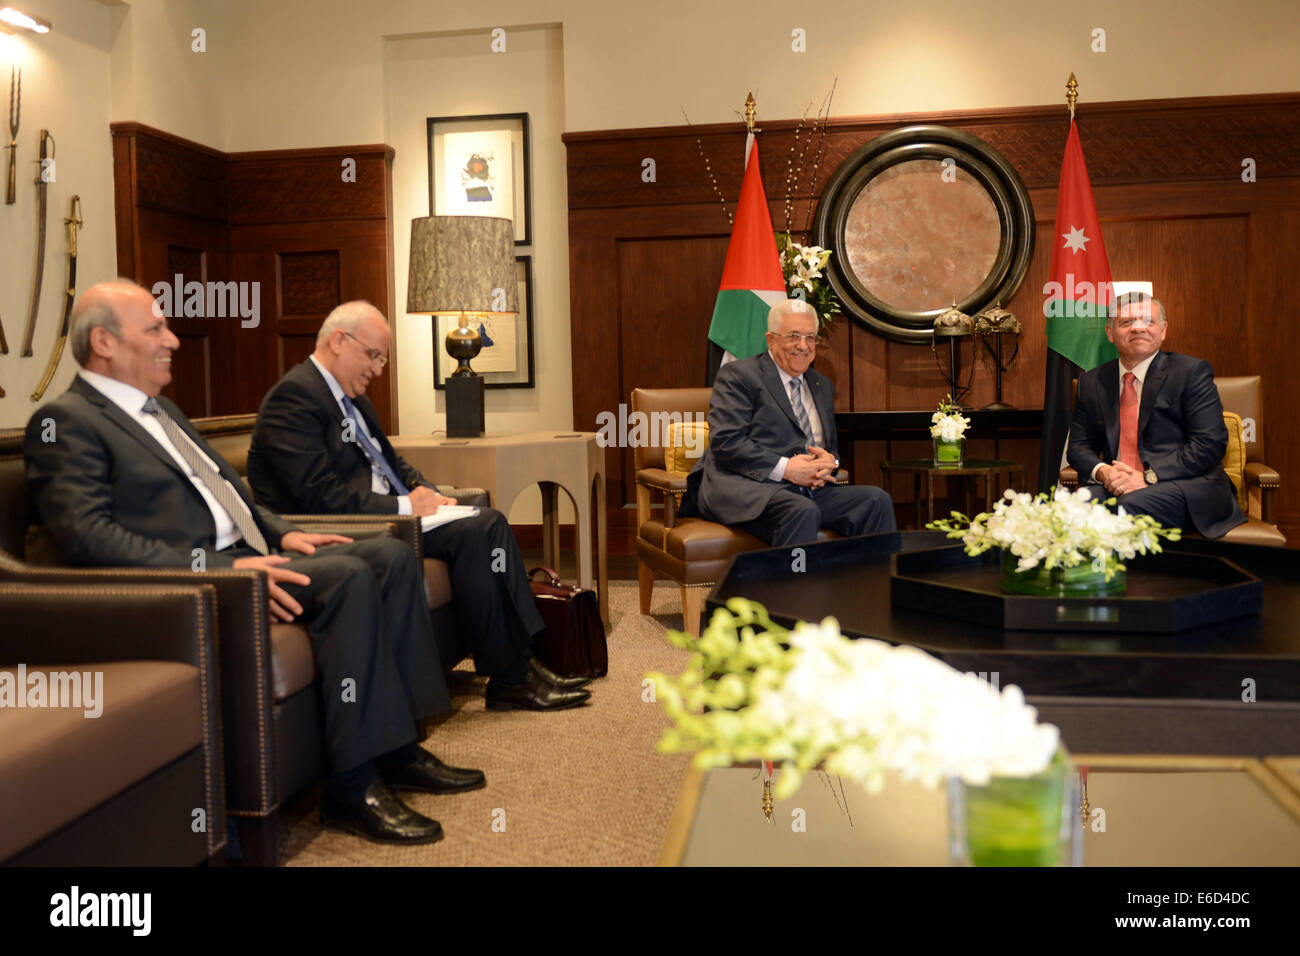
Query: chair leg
x,y
259,838
645,576
692,608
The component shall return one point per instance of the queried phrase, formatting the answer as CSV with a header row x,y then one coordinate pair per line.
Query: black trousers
x,y
367,612
793,516
497,616
1165,501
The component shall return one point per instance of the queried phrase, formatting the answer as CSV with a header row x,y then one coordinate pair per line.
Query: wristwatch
x,y
1150,475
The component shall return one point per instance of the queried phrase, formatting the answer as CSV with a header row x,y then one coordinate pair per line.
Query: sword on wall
x,y
41,187
15,108
73,222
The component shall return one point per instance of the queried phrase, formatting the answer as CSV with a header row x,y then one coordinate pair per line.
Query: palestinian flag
x,y
1076,302
751,279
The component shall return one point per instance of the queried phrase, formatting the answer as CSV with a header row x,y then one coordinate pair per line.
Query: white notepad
x,y
446,514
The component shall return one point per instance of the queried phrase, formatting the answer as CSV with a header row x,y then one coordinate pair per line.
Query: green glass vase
x,y
1018,821
949,454
1082,580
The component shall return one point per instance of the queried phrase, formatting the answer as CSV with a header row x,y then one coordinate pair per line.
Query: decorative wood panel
x,y
286,221
1167,179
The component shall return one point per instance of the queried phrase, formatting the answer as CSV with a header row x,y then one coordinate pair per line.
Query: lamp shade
x,y
462,264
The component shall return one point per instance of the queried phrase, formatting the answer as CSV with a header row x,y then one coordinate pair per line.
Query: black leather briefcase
x,y
573,644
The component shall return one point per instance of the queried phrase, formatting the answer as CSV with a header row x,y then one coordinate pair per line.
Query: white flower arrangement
x,y
861,707
1060,530
948,423
802,266
805,264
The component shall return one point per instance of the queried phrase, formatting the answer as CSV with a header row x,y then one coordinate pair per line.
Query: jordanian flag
x,y
1076,301
751,279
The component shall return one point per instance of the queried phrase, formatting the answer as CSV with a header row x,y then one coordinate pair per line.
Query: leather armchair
x,y
692,552
1242,394
142,782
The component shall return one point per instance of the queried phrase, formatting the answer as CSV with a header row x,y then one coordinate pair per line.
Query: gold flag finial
x,y
749,114
1071,93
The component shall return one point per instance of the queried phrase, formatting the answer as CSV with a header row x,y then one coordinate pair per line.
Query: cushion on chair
x,y
685,446
293,665
1234,459
57,764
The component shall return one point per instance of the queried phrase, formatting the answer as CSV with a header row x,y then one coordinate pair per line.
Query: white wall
x,y
456,75
65,89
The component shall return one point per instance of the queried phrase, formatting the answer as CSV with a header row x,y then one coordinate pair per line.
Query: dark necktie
x,y
372,452
1128,424
226,496
800,413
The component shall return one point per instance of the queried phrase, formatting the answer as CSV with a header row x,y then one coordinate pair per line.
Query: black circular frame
x,y
985,164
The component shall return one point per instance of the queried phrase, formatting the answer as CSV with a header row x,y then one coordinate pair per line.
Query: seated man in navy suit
x,y
772,448
1148,427
318,449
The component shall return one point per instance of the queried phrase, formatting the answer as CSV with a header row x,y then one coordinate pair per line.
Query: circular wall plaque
x,y
921,219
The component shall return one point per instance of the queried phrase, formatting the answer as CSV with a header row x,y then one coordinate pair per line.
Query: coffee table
x,y
968,471
1157,811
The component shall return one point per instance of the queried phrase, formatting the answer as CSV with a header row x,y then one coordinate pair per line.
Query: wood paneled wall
x,y
1167,175
286,220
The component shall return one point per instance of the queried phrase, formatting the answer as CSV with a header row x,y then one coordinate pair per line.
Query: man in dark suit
x,y
318,448
772,449
1148,427
120,477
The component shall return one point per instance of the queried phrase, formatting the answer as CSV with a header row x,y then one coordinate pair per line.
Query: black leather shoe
x,y
533,694
554,679
428,774
381,817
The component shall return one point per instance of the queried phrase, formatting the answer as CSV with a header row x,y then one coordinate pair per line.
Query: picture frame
x,y
501,370
482,166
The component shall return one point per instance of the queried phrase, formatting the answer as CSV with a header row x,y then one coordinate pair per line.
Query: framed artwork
x,y
506,360
480,166
921,219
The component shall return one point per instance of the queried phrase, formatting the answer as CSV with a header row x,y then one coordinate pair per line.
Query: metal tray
x,y
1167,592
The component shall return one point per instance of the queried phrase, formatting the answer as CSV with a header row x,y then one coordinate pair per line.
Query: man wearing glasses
x,y
1148,427
773,452
317,448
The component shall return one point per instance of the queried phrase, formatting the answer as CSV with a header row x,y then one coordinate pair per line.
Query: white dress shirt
x,y
131,400
809,406
378,483
1139,375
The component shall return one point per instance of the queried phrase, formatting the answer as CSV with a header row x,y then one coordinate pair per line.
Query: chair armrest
x,y
247,694
476,497
1267,480
660,479
1068,478
1261,475
402,527
840,477
174,622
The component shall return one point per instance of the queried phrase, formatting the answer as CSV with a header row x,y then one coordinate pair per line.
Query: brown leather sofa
x,y
270,704
1242,394
132,774
693,552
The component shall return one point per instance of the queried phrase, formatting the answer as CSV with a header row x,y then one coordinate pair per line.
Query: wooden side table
x,y
970,469
506,464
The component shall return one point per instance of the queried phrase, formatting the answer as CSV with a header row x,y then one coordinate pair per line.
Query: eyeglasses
x,y
794,338
1135,322
373,354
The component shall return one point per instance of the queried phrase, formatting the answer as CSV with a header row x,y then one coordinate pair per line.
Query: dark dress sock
x,y
403,756
349,786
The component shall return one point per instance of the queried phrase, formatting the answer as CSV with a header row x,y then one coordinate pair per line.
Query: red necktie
x,y
1128,424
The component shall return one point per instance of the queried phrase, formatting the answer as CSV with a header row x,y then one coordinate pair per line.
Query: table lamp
x,y
953,325
462,266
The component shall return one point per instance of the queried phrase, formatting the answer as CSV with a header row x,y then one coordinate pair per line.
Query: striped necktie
x,y
800,413
372,452
211,478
